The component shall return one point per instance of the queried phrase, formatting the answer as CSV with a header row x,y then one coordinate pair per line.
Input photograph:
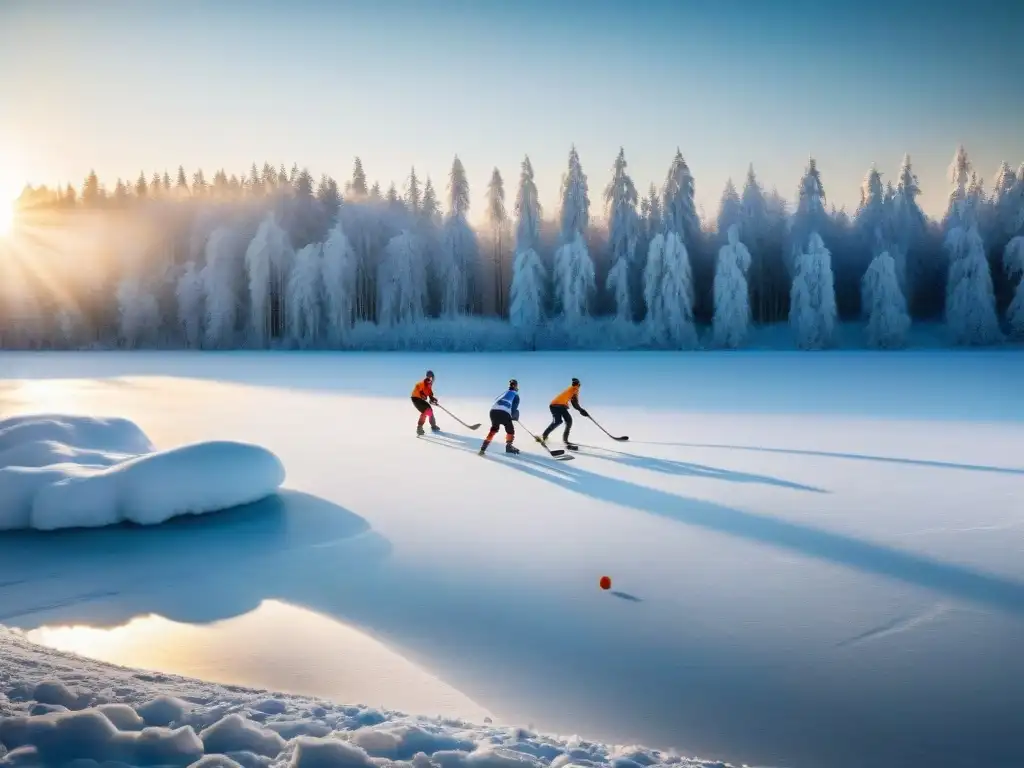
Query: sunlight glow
x,y
6,216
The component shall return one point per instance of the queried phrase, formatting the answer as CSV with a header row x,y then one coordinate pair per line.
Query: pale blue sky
x,y
128,86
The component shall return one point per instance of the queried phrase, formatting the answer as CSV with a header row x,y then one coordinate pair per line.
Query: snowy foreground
x,y
56,708
65,471
815,561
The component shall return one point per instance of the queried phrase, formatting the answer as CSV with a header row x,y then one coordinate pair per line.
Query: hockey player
x,y
560,413
504,413
423,398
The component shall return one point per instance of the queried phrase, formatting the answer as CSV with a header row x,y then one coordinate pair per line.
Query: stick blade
x,y
622,439
475,426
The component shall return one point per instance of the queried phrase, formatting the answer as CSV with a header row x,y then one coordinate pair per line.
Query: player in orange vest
x,y
560,412
423,398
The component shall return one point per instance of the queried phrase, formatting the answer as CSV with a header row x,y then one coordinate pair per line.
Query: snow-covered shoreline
x,y
58,708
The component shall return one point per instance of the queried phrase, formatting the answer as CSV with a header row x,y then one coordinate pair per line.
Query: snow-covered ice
x,y
815,557
69,471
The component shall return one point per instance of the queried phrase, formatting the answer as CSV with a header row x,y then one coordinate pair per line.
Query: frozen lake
x,y
818,556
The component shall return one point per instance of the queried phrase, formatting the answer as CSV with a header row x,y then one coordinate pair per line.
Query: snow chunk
x,y
289,729
236,734
329,753
122,716
270,706
163,710
57,694
59,471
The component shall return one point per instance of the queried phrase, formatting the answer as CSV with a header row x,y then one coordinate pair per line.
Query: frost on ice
x,y
60,471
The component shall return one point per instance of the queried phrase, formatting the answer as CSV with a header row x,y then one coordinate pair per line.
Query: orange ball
x,y
606,583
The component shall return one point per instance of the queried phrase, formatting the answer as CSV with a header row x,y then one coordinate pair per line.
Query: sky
x,y
125,86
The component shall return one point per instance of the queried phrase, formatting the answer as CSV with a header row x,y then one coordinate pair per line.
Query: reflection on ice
x,y
277,646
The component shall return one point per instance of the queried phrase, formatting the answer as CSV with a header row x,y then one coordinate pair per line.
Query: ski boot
x,y
571,446
483,448
434,428
509,448
419,430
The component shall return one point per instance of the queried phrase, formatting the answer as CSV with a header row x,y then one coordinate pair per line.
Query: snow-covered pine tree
x,y
870,221
623,233
357,186
1013,261
888,321
220,276
1004,213
529,280
305,297
960,177
575,281
668,293
339,281
812,309
189,294
413,194
497,222
754,232
971,318
401,282
430,212
575,214
679,211
574,276
328,196
458,254
181,185
138,312
730,211
810,215
732,298
909,225
267,262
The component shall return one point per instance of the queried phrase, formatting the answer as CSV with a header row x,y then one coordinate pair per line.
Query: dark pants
x,y
499,419
559,414
426,412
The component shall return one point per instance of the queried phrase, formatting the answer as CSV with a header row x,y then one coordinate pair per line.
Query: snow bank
x,y
214,726
60,471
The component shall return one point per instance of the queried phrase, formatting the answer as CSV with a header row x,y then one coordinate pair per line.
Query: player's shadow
x,y
690,469
196,569
869,557
849,456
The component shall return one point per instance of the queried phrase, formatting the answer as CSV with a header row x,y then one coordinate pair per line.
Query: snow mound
x,y
60,471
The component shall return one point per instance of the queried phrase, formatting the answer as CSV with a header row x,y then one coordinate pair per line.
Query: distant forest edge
x,y
276,260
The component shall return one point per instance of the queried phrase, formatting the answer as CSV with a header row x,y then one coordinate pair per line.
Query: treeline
x,y
278,258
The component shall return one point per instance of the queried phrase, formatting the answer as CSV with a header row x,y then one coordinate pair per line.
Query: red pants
x,y
426,412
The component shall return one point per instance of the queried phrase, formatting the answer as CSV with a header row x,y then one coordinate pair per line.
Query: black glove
x,y
433,401
584,413
515,415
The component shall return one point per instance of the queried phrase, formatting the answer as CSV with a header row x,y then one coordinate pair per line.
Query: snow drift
x,y
60,471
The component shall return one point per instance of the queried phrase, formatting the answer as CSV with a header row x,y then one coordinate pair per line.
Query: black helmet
x,y
430,375
513,384
575,382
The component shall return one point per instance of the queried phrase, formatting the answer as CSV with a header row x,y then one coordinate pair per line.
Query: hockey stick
x,y
467,426
556,452
621,439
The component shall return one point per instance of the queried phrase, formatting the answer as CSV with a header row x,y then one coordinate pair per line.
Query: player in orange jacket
x,y
560,412
423,398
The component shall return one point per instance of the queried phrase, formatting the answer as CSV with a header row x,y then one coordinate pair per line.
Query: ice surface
x,y
823,551
67,471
